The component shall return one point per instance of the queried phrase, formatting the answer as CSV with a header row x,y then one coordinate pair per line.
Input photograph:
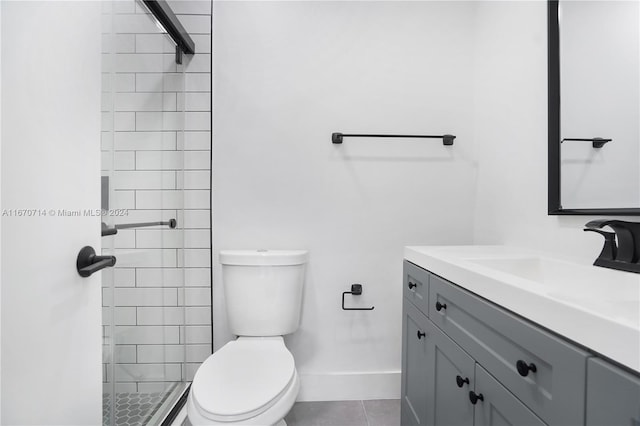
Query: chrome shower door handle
x,y
88,262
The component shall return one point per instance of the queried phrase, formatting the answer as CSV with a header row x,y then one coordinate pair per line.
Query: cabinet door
x,y
413,409
451,376
499,407
613,395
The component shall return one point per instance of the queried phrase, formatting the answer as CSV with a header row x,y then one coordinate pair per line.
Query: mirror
x,y
594,107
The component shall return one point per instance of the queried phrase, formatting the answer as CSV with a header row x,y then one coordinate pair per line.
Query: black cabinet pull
x,y
475,397
421,334
460,381
440,306
412,285
524,368
88,262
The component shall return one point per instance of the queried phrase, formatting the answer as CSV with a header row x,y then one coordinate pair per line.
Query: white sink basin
x,y
570,281
586,287
596,307
541,270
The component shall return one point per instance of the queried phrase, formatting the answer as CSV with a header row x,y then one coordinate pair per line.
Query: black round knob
x,y
421,334
460,381
440,306
475,397
412,285
524,368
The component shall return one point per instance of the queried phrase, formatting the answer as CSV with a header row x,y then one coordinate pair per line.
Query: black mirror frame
x,y
553,163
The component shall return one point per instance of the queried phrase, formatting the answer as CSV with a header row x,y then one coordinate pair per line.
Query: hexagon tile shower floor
x,y
133,409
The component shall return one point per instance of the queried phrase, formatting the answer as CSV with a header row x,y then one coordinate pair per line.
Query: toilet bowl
x,y
253,380
249,381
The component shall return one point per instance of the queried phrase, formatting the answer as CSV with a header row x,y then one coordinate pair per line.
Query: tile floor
x,y
381,412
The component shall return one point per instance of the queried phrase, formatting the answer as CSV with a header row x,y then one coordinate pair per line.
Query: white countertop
x,y
596,307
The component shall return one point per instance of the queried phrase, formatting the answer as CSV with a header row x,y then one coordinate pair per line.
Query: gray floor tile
x,y
327,413
382,412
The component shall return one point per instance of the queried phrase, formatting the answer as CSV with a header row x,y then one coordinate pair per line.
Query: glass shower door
x,y
143,201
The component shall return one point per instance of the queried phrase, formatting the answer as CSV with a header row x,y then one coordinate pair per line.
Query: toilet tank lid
x,y
263,257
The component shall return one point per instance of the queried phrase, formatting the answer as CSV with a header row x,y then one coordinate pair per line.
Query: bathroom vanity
x,y
497,335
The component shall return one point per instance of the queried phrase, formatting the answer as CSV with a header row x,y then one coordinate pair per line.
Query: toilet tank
x,y
263,290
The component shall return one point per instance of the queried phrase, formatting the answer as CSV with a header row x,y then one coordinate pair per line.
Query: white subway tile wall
x,y
156,146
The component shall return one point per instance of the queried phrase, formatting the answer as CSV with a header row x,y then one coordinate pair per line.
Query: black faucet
x,y
625,255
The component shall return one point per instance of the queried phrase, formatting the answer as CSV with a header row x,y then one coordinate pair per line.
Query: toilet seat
x,y
243,379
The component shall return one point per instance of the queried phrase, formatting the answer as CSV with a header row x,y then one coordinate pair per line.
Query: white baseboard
x,y
349,386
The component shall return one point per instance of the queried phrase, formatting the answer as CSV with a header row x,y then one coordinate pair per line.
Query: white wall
x,y
511,127
287,75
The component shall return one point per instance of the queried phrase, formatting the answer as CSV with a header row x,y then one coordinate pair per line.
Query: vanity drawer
x,y
416,286
500,340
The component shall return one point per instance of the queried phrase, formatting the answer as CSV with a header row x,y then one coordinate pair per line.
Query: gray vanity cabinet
x,y
431,363
450,371
453,375
438,375
467,361
498,406
414,359
544,372
457,346
613,395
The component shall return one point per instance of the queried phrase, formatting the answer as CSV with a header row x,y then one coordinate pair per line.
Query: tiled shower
x,y
156,163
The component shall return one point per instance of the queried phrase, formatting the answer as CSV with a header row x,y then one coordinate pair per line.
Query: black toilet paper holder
x,y
356,290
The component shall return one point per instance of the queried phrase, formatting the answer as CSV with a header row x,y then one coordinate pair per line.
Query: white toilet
x,y
253,379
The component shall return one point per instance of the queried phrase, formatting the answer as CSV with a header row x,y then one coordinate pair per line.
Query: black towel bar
x,y
596,142
336,138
